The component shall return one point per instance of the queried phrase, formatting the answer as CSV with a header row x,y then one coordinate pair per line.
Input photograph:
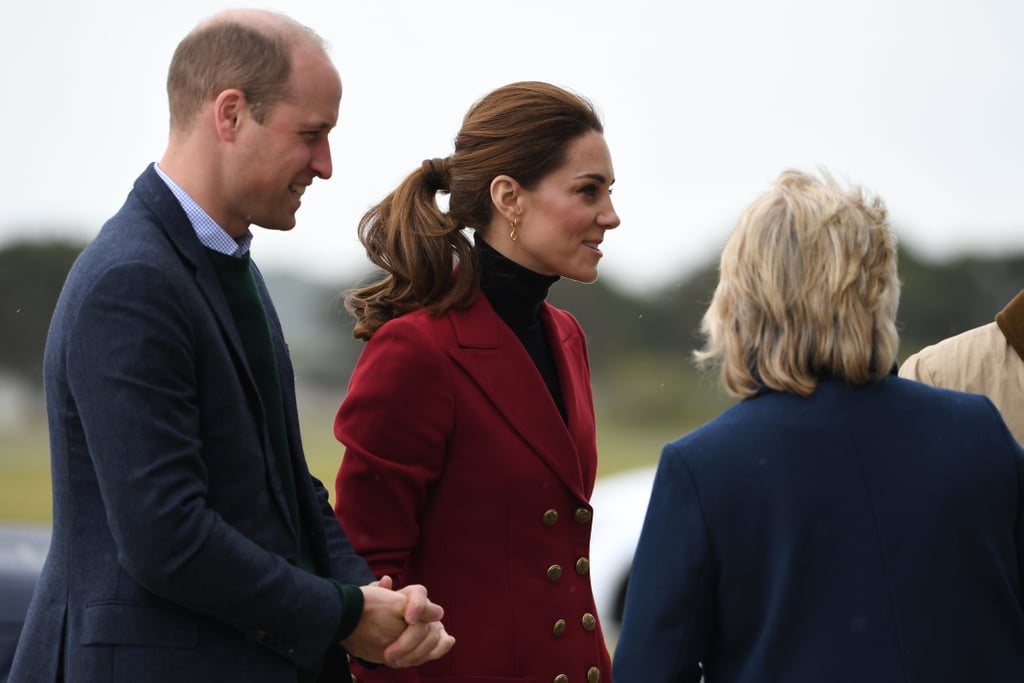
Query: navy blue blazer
x,y
173,552
861,534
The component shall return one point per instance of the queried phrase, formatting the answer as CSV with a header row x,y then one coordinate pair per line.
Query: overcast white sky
x,y
704,103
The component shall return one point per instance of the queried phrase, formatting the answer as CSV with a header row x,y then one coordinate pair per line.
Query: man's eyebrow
x,y
318,125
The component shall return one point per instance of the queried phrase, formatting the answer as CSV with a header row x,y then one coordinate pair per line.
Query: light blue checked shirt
x,y
209,233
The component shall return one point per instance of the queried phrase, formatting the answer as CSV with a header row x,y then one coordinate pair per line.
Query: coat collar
x,y
1011,322
495,359
155,194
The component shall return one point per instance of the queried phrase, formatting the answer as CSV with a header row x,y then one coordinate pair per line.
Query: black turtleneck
x,y
516,293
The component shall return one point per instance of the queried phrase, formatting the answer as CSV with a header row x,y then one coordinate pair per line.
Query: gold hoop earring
x,y
515,224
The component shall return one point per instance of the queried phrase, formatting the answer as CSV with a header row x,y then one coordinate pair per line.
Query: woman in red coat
x,y
469,423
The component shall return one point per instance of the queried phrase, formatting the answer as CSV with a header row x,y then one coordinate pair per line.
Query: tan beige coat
x,y
984,360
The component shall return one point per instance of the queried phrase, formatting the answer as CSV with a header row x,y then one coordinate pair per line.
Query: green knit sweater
x,y
239,286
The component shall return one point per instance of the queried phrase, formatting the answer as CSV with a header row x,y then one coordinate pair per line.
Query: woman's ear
x,y
506,195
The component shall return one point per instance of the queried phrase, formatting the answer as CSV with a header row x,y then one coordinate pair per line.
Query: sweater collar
x,y
514,292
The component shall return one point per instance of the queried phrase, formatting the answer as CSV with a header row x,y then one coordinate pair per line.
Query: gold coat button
x,y
554,572
582,515
561,678
559,628
582,566
589,622
593,674
550,517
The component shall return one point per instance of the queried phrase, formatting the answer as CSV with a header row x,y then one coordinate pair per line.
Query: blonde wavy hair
x,y
808,289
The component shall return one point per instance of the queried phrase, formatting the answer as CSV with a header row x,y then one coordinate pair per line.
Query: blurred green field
x,y
25,473
25,461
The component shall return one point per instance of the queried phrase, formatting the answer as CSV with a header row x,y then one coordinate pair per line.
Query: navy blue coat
x,y
861,534
173,552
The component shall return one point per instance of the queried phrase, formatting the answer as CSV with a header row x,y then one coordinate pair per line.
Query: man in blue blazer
x,y
190,541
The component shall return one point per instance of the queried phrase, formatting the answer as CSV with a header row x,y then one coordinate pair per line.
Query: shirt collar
x,y
210,234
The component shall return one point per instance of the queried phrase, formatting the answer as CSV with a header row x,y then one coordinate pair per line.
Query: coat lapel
x,y
494,358
286,375
162,202
569,350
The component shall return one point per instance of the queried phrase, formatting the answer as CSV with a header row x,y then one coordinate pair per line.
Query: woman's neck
x,y
514,292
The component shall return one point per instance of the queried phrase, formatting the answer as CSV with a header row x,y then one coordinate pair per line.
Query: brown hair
x,y
521,130
248,50
807,289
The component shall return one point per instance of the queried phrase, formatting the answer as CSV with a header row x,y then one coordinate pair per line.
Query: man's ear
x,y
228,110
507,196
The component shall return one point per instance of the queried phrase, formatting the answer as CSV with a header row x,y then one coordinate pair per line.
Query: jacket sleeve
x,y
667,621
346,565
394,423
1018,458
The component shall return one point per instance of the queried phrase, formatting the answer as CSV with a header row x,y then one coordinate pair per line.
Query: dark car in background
x,y
22,553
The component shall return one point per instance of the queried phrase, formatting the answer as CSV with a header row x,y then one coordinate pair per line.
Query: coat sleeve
x,y
1018,456
667,621
394,423
911,369
346,565
132,367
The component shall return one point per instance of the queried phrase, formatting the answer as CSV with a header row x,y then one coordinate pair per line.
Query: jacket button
x,y
593,674
559,628
561,678
550,517
589,622
582,566
554,572
582,515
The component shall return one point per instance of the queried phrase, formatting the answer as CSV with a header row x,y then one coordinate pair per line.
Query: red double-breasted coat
x,y
460,474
